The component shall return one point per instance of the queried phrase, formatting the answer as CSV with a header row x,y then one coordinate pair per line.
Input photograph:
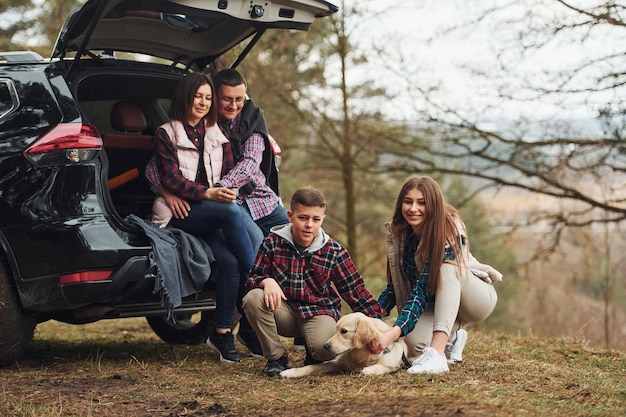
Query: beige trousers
x,y
286,322
462,298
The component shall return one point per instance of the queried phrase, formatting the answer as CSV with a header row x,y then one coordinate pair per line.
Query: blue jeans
x,y
208,216
223,227
254,231
275,218
227,281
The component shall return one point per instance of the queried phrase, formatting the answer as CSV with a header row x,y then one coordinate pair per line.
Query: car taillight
x,y
86,276
68,143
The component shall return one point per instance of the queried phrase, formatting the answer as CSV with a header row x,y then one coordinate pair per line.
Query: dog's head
x,y
354,331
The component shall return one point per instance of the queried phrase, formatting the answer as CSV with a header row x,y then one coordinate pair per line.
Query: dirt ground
x,y
120,368
140,379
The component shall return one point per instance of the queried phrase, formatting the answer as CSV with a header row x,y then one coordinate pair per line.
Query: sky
x,y
436,58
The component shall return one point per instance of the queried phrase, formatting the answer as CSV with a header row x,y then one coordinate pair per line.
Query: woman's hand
x,y
180,207
220,194
389,336
485,272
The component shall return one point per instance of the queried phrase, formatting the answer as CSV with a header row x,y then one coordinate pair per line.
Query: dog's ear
x,y
366,332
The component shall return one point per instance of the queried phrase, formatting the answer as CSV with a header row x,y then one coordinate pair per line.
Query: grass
x,y
119,368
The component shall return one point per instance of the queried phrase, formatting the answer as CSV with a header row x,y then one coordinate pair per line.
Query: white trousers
x,y
461,298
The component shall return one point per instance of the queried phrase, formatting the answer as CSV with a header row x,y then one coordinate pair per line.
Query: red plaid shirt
x,y
306,278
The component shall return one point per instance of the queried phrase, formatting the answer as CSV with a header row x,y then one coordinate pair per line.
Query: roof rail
x,y
20,57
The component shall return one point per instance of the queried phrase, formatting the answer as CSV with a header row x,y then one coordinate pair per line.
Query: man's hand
x,y
180,207
273,295
220,194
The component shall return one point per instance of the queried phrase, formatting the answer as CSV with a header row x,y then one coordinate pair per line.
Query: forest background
x,y
514,107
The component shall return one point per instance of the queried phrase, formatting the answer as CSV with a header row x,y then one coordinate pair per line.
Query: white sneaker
x,y
431,362
454,351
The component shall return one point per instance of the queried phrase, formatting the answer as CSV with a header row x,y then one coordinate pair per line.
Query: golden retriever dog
x,y
353,333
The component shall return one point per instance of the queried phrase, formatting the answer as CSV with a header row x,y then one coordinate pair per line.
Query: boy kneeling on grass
x,y
289,288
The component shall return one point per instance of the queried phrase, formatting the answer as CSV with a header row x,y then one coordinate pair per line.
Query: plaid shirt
x,y
174,180
263,200
419,298
306,278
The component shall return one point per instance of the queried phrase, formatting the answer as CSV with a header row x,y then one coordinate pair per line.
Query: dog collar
x,y
406,362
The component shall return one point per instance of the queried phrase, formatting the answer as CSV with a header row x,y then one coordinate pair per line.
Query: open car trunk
x,y
188,32
124,58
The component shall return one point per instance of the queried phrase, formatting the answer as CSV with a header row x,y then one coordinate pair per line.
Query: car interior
x,y
127,109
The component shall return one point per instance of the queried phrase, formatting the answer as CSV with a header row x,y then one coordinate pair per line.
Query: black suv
x,y
76,132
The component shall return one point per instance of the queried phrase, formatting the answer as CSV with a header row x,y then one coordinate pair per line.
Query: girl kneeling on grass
x,y
435,282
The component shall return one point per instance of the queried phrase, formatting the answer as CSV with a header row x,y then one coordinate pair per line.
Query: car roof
x,y
190,32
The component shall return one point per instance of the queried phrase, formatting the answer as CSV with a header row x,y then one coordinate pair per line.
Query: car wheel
x,y
189,329
16,327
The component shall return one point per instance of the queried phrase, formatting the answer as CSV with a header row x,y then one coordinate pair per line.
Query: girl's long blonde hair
x,y
438,230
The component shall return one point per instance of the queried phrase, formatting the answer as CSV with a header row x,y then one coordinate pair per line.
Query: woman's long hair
x,y
435,232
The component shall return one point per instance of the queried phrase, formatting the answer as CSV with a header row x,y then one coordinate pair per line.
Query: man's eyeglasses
x,y
228,100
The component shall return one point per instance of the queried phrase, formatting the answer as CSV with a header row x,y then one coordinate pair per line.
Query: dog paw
x,y
369,371
288,373
377,370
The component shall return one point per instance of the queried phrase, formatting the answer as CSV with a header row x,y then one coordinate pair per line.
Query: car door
x,y
191,33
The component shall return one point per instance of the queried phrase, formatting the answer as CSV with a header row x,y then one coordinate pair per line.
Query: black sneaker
x,y
273,368
309,359
299,343
249,340
224,344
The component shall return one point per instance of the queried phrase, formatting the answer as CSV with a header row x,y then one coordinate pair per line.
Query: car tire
x,y
16,327
188,330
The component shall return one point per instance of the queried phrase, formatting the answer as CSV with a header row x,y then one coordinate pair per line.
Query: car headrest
x,y
128,117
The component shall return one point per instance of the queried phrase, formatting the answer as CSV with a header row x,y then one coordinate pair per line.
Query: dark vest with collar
x,y
253,121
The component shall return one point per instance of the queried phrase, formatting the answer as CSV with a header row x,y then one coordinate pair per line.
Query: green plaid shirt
x,y
420,298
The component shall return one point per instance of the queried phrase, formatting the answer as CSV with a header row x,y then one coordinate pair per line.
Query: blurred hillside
x,y
576,289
